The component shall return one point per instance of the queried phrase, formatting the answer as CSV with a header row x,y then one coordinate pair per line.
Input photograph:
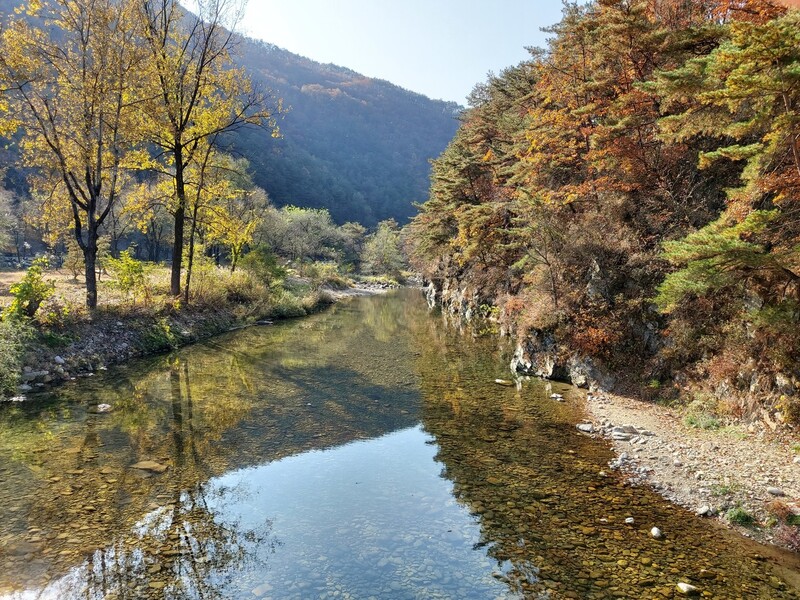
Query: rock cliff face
x,y
538,352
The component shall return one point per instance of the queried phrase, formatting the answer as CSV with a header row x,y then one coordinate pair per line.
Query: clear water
x,y
361,453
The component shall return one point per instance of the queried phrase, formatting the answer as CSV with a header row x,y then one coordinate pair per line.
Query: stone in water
x,y
150,465
687,589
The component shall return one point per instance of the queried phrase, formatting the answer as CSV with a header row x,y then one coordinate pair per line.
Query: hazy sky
x,y
440,48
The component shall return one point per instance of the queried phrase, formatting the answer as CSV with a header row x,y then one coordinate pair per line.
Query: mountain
x,y
358,146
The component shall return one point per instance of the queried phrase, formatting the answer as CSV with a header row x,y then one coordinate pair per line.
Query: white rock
x,y
58,360
630,521
687,589
704,511
655,532
773,491
585,427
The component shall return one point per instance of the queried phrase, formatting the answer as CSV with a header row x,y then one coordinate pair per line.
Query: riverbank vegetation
x,y
121,114
295,263
630,194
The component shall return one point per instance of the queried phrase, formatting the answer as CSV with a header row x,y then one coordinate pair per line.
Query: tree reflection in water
x,y
552,514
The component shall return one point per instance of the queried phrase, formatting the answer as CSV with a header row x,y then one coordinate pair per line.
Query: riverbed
x,y
365,452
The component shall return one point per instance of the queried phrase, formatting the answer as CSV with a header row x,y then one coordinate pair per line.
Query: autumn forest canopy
x,y
630,194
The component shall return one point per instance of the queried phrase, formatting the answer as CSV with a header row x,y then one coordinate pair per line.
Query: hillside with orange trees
x,y
627,202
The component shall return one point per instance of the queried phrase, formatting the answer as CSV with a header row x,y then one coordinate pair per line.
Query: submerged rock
x,y
150,465
687,589
261,590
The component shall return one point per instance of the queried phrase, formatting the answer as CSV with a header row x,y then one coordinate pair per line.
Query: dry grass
x,y
212,288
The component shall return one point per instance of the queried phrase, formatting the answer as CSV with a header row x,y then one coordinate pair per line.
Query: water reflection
x,y
547,504
289,462
73,504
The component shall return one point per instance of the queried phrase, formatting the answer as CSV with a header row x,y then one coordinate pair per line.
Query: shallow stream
x,y
365,452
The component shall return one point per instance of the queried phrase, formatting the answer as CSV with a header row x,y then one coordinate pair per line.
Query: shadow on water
x,y
243,399
548,502
289,462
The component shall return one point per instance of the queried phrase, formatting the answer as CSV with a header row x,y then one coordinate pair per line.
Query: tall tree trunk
x,y
190,259
180,216
177,253
90,264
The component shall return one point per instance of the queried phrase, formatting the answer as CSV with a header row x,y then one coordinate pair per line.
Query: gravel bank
x,y
710,472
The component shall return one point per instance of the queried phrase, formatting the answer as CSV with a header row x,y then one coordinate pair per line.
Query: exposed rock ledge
x,y
537,355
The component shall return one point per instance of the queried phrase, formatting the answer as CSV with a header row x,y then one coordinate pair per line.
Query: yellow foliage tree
x,y
71,77
195,94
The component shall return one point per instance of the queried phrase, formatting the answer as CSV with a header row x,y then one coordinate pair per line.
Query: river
x,y
365,452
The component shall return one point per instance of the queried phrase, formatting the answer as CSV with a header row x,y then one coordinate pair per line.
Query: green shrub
x,y
702,421
130,275
30,292
262,264
740,516
722,489
700,414
159,336
14,334
286,305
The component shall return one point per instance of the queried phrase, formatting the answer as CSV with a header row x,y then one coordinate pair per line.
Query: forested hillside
x,y
627,199
357,146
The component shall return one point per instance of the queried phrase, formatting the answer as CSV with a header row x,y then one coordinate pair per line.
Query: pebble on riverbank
x,y
707,472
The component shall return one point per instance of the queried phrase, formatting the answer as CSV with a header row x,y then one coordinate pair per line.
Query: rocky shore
x,y
745,476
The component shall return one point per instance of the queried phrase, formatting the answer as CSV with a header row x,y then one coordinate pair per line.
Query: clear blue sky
x,y
440,48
